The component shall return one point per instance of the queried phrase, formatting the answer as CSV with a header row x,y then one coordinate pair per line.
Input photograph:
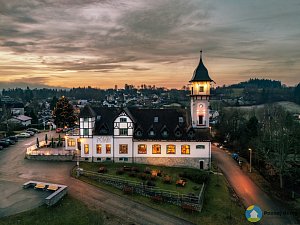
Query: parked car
x,y
33,130
23,135
11,142
13,138
59,130
4,144
30,132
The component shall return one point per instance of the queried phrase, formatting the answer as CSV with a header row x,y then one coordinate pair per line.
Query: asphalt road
x,y
15,170
248,192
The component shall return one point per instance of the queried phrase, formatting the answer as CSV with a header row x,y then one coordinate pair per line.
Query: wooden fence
x,y
192,202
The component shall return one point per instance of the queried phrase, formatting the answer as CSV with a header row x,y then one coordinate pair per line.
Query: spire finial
x,y
201,54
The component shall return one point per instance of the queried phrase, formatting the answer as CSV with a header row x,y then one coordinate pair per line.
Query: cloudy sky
x,y
67,43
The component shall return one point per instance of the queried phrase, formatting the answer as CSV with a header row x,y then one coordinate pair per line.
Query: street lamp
x,y
250,170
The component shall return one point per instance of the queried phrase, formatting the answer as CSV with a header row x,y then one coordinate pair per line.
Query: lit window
x,y
85,131
123,149
123,120
201,88
71,142
156,119
108,148
185,149
98,149
156,149
171,149
123,131
142,149
86,148
200,146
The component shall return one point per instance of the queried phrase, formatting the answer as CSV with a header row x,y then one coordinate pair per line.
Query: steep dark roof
x,y
168,120
201,73
87,111
105,120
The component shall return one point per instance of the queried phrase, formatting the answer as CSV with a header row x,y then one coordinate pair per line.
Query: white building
x,y
171,137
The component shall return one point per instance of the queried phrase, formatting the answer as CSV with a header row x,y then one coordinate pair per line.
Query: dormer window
x,y
98,117
180,119
191,133
138,133
178,133
165,133
156,119
151,133
123,120
201,89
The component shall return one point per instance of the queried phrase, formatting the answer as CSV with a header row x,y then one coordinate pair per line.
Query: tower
x,y
200,95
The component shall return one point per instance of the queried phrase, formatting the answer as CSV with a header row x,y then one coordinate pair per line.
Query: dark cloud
x,y
117,35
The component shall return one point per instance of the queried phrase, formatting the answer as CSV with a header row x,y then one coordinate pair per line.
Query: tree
x,y
63,113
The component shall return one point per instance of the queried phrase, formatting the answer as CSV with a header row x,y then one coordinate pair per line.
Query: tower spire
x,y
201,53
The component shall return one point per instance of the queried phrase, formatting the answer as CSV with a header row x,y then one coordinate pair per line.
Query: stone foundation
x,y
174,162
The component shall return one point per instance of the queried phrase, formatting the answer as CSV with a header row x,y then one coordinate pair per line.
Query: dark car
x,y
4,144
14,138
11,142
33,130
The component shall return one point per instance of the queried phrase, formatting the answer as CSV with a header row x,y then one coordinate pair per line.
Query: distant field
x,y
289,106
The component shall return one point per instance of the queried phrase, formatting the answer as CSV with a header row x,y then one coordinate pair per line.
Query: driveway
x,y
15,170
248,191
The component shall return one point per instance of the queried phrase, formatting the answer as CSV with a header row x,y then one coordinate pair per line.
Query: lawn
x,y
173,172
66,212
220,207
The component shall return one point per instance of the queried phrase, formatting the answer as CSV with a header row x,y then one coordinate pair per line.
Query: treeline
x,y
272,134
258,83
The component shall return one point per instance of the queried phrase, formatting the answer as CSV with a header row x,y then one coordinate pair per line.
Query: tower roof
x,y
201,73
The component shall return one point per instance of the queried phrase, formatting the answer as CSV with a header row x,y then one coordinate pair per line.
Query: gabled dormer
x,y
123,124
178,132
164,132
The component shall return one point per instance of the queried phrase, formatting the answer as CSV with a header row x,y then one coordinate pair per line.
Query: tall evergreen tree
x,y
63,113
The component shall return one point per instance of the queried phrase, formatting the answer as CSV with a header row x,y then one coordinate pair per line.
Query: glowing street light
x,y
250,170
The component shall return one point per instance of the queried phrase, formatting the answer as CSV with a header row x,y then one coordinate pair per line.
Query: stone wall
x,y
50,157
175,162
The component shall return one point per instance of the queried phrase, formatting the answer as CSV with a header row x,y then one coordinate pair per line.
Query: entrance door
x,y
201,164
200,119
78,144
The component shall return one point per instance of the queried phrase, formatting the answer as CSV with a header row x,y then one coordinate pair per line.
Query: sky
x,y
72,43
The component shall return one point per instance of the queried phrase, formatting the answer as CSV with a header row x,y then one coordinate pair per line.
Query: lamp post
x,y
250,170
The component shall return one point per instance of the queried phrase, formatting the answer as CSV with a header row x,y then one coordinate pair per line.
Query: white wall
x,y
195,153
123,140
103,140
196,110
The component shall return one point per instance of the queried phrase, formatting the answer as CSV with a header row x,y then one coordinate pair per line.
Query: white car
x,y
23,135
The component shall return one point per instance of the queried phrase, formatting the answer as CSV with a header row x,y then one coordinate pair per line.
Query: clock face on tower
x,y
200,106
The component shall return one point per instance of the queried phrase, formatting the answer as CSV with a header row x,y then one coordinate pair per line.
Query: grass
x,y
190,187
220,207
67,211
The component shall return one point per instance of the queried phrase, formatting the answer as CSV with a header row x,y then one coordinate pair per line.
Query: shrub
x,y
167,179
147,170
132,174
135,169
151,183
188,208
157,198
102,169
142,176
198,177
128,190
120,171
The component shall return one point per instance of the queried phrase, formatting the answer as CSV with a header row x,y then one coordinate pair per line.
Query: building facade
x,y
170,137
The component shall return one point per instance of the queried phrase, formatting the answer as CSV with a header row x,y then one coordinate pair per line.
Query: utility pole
x,y
250,170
